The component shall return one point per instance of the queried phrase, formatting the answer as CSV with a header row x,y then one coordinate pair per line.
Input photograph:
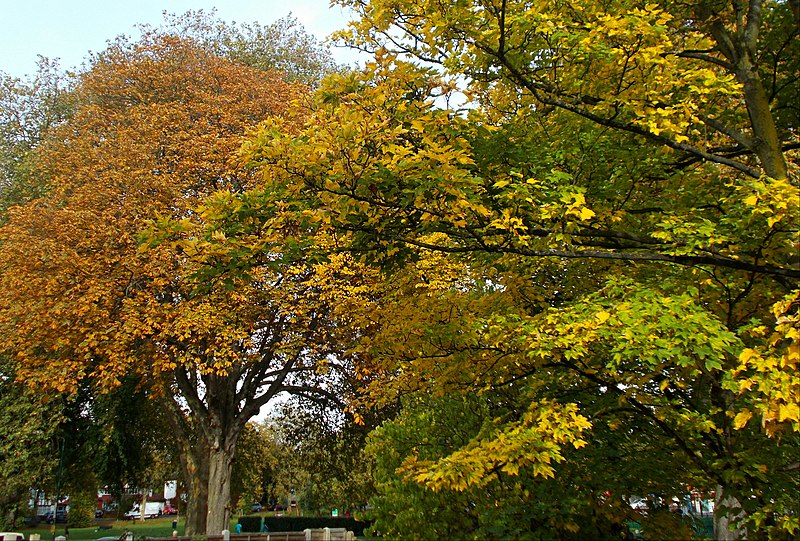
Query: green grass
x,y
155,527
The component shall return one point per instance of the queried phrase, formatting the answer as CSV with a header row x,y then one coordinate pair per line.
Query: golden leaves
x,y
769,372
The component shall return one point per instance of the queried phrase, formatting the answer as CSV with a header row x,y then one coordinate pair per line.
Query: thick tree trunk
x,y
219,488
727,513
196,480
193,454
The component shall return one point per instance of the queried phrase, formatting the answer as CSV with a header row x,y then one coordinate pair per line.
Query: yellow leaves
x,y
577,207
585,214
533,444
747,355
741,419
789,412
772,200
769,372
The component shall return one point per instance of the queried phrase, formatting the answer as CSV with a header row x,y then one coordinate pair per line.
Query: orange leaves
x,y
157,128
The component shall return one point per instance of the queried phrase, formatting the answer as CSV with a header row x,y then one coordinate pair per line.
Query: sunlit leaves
x,y
768,372
532,444
621,61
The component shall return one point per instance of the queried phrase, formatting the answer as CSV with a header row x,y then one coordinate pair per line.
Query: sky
x,y
69,29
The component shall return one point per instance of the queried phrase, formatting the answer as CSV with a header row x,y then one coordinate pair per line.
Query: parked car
x,y
98,513
256,508
61,516
169,510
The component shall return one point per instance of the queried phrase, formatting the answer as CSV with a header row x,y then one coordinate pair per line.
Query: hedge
x,y
250,524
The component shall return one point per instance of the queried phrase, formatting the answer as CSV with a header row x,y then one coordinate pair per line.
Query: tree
x,y
130,443
619,197
523,506
26,452
257,457
29,109
324,446
282,46
156,128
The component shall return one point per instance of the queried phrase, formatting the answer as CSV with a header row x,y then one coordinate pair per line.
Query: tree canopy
x,y
559,234
156,128
613,207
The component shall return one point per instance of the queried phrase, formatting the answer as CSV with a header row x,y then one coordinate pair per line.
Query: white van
x,y
151,510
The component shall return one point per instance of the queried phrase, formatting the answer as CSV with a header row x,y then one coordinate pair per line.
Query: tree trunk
x,y
740,48
197,498
142,506
219,488
727,512
766,141
193,454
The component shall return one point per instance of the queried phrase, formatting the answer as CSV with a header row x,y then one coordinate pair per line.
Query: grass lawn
x,y
154,527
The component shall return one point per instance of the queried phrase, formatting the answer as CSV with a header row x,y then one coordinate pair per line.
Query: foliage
x,y
27,426
322,455
257,457
156,127
81,509
130,443
685,76
518,506
29,109
614,207
283,45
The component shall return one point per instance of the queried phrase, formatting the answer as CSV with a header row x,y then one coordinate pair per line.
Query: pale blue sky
x,y
69,29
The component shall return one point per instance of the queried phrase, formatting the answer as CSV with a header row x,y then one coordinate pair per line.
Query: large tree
x,y
156,128
617,201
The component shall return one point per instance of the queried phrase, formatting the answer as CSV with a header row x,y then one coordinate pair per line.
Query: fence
x,y
321,534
